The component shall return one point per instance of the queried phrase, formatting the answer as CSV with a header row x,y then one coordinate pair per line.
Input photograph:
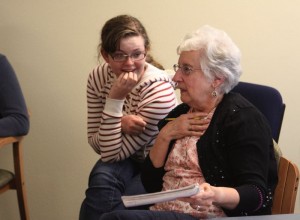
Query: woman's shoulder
x,y
4,63
235,105
236,101
155,78
101,72
2,56
7,72
100,69
153,73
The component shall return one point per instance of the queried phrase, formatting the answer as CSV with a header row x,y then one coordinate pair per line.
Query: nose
x,y
177,76
129,60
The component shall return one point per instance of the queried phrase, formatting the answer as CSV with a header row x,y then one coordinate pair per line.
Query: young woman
x,y
126,97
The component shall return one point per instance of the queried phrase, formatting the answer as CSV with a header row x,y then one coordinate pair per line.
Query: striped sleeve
x,y
152,100
97,90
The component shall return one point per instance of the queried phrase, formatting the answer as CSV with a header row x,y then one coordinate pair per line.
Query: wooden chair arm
x,y
9,140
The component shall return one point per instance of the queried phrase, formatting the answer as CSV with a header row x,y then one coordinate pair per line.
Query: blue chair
x,y
268,100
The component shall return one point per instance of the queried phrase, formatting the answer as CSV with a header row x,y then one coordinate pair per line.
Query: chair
x,y
286,190
268,100
9,180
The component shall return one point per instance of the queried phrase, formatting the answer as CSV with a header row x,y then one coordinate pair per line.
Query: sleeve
x,y
152,178
14,119
156,100
251,161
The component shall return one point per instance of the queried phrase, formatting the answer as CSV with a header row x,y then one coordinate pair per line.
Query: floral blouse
x,y
182,169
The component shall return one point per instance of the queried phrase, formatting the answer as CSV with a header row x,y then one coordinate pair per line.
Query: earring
x,y
214,93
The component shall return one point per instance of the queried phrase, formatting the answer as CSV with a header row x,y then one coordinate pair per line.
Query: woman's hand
x,y
208,195
123,85
203,199
191,124
133,124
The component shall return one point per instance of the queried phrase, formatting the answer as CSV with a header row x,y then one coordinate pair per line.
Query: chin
x,y
187,100
184,100
183,97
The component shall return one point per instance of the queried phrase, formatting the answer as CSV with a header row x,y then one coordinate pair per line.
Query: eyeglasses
x,y
185,69
121,57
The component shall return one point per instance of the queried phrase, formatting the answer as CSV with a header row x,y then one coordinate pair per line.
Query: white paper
x,y
163,196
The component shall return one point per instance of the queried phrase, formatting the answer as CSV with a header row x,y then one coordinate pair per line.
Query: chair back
x,y
268,100
285,194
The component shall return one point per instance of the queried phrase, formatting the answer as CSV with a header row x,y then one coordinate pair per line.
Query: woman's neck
x,y
209,106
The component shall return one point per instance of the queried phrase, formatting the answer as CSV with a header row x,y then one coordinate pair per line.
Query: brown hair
x,y
150,59
119,27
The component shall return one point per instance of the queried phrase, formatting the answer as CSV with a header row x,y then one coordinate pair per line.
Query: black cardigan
x,y
235,151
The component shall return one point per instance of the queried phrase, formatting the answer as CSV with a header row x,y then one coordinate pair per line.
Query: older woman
x,y
218,139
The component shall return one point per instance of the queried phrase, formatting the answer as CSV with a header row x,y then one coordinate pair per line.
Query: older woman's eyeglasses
x,y
185,69
121,57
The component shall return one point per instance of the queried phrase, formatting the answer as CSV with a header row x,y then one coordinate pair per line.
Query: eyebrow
x,y
135,50
185,64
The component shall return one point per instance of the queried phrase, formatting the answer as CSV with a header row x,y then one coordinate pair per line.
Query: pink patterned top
x,y
182,169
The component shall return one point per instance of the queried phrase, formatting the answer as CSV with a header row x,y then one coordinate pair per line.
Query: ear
x,y
217,82
105,56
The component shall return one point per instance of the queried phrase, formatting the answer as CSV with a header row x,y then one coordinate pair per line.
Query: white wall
x,y
52,46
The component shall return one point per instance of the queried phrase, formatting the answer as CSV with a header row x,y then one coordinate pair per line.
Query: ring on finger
x,y
196,207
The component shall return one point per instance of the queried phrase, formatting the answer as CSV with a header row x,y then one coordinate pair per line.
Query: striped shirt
x,y
152,99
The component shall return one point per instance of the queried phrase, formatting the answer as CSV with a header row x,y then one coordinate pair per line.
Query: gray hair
x,y
220,56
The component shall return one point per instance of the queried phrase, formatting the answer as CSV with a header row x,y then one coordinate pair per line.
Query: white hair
x,y
220,56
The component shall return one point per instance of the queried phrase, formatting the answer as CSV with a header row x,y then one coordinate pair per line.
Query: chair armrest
x,y
9,140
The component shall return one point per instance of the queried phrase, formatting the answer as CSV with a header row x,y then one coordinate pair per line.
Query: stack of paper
x,y
163,196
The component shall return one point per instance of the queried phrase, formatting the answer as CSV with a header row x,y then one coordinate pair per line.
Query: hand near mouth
x,y
123,85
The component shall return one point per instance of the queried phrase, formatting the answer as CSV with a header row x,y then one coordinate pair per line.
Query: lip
x,y
128,71
181,89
